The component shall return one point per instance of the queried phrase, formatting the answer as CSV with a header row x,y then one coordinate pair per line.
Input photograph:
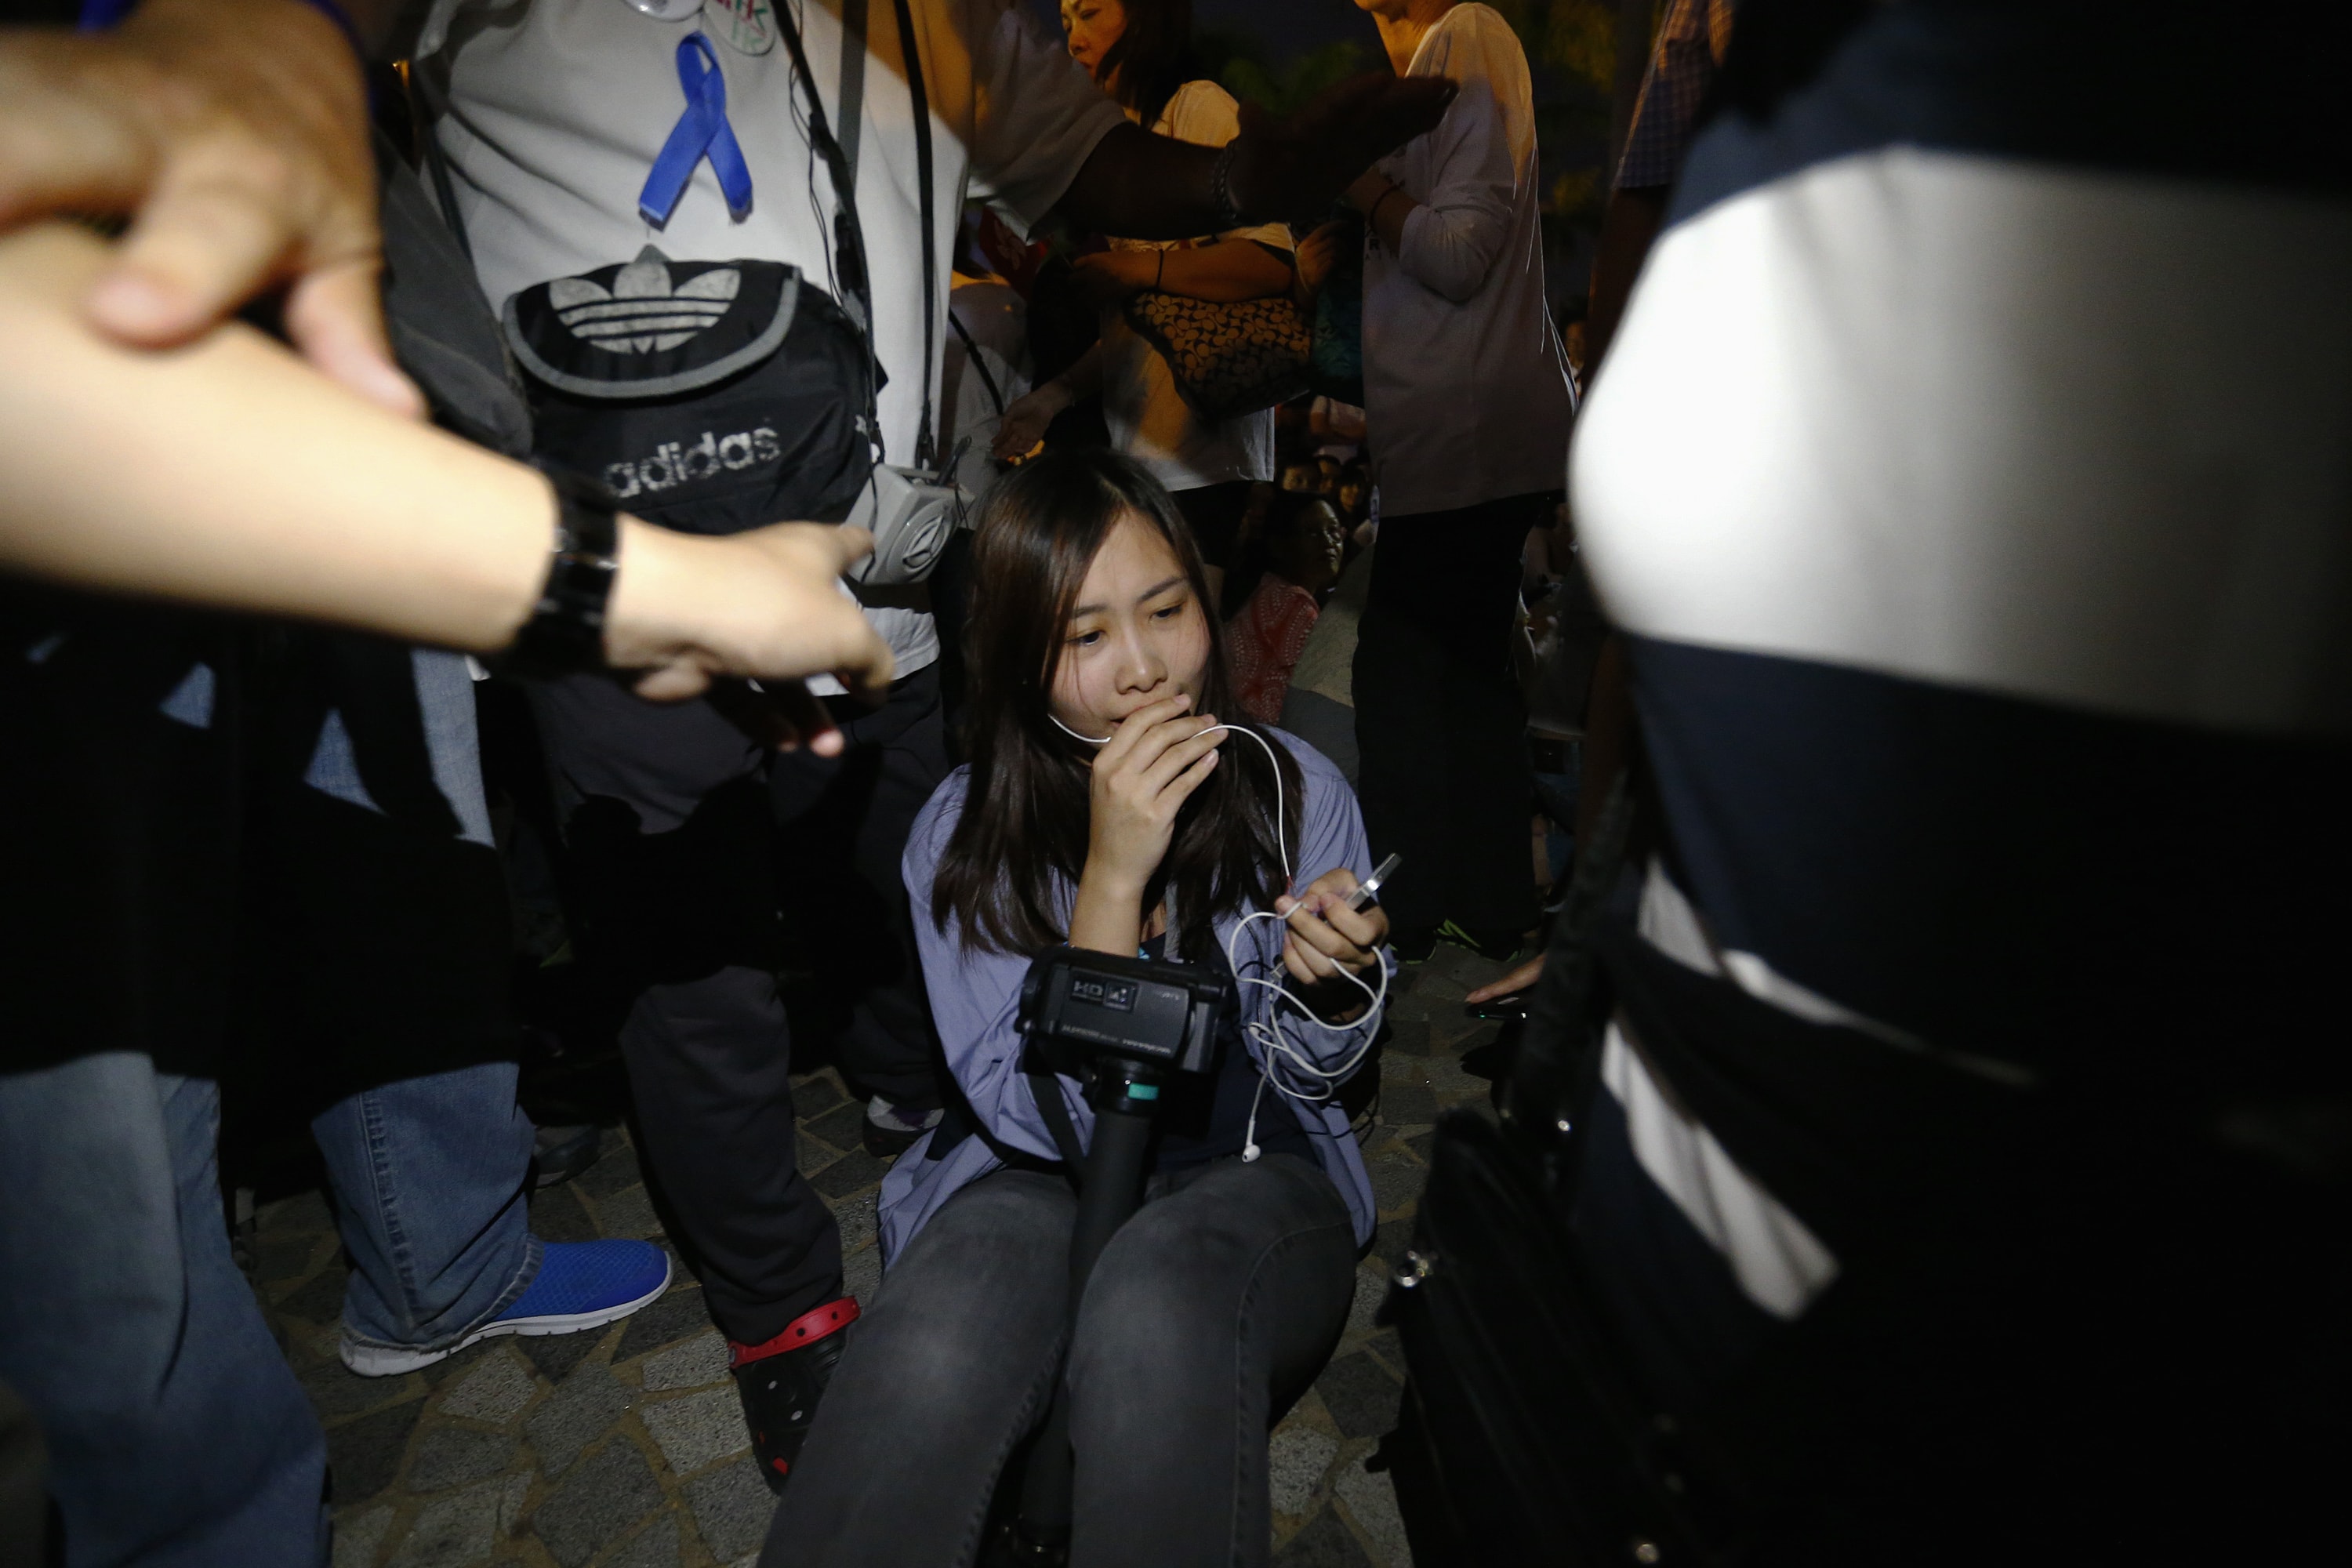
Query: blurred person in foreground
x,y
1956,1177
145,501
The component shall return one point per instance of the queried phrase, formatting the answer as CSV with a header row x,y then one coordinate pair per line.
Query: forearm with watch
x,y
226,474
1385,207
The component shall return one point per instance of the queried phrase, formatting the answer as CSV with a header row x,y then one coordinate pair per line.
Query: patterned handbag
x,y
1227,359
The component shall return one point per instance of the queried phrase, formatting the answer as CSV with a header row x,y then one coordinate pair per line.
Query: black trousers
x,y
683,865
1439,720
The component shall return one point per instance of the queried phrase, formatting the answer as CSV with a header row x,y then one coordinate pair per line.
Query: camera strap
x,y
925,442
971,357
849,235
1045,1088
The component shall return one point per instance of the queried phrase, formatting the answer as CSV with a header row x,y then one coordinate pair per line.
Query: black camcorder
x,y
1077,1006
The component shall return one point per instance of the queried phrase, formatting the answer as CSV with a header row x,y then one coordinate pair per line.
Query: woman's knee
x,y
988,1270
1192,1270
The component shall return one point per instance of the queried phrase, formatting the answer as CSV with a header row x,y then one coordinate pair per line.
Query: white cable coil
x,y
1279,1055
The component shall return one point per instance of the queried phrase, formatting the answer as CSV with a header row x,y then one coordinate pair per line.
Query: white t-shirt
x,y
557,109
1466,391
1147,420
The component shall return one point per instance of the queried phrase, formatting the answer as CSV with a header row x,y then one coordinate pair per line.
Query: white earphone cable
x,y
1278,1048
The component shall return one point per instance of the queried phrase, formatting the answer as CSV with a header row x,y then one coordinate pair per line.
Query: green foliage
x,y
1578,37
1581,37
1239,62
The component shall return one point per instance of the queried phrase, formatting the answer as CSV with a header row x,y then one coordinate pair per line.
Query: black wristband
x,y
566,629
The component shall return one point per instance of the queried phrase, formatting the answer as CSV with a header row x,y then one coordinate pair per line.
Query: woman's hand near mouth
x,y
1157,756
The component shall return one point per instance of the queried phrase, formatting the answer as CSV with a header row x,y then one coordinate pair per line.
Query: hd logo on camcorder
x,y
674,463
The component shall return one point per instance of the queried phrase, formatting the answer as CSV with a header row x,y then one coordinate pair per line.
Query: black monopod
x,y
1124,1028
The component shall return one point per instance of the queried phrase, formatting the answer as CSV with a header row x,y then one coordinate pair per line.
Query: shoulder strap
x,y
852,82
1046,1089
971,357
849,235
925,444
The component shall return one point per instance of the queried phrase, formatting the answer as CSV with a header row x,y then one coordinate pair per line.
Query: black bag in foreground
x,y
1518,1441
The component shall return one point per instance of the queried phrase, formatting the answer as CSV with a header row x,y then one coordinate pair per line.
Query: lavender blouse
x,y
975,994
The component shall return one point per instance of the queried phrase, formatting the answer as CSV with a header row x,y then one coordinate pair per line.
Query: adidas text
x,y
672,464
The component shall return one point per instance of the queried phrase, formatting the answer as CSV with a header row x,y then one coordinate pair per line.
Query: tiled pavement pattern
x,y
626,1449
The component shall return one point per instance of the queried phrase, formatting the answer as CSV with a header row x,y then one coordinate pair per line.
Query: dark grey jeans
x,y
1208,1313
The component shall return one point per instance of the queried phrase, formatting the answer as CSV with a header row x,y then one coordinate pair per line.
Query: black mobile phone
x,y
1498,1009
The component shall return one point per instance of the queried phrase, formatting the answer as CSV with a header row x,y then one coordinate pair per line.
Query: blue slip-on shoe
x,y
580,1285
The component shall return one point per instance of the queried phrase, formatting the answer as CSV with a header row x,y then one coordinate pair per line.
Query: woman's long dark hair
x,y
1020,844
1153,58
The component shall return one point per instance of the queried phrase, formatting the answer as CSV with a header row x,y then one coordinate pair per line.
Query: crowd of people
x,y
899,485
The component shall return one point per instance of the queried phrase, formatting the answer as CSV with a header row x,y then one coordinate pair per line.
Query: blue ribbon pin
x,y
702,129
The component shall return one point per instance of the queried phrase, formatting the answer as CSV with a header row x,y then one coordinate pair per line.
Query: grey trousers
x,y
1209,1311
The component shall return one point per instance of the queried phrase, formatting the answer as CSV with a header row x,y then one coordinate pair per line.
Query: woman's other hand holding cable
x,y
1329,945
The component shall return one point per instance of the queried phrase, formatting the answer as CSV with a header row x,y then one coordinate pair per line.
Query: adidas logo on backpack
x,y
673,463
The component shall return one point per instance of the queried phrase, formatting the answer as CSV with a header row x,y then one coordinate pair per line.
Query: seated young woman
x,y
1105,805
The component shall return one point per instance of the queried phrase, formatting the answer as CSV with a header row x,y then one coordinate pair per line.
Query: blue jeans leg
x,y
178,1437
429,1171
453,744
430,1188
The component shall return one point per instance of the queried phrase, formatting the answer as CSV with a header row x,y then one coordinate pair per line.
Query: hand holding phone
x,y
1364,896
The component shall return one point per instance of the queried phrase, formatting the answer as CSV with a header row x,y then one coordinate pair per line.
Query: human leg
x,y
429,1177
1473,605
1208,1312
672,835
714,1103
377,817
672,840
952,1366
1399,688
177,1435
845,822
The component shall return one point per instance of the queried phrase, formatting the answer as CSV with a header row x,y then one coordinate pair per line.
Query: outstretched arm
x,y
228,474
1154,187
1227,273
234,133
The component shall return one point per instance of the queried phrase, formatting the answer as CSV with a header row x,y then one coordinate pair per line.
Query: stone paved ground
x,y
626,1449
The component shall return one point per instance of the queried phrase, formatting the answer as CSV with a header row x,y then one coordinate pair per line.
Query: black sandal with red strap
x,y
781,1380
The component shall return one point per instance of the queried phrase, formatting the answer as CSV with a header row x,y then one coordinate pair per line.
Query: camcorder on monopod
x,y
1079,1006
1122,1027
